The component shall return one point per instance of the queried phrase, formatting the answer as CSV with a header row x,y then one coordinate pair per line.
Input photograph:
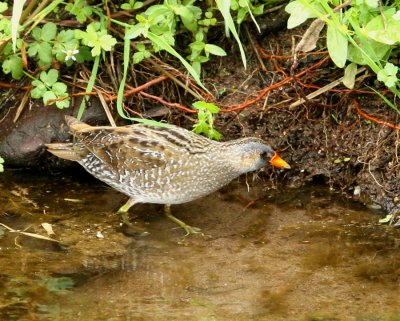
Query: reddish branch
x,y
263,92
140,88
6,85
375,120
228,108
162,101
266,56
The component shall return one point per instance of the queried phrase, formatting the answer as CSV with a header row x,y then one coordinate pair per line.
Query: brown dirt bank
x,y
323,139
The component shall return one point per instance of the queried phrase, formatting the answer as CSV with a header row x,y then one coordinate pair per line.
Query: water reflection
x,y
299,255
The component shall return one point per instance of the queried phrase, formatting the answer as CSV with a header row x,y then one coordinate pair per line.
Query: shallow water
x,y
265,255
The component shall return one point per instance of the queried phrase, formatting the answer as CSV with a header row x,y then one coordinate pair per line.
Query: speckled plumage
x,y
164,165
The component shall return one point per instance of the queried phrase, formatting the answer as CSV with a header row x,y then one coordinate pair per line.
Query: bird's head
x,y
252,153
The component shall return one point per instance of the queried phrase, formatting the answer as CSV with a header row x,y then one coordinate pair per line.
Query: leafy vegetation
x,y
362,32
42,47
206,119
39,49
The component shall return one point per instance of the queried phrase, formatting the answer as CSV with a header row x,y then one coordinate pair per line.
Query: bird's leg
x,y
123,210
189,229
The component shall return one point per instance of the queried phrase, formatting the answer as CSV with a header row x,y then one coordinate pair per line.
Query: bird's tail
x,y
69,151
75,124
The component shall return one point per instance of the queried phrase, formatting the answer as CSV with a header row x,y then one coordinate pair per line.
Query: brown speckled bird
x,y
163,165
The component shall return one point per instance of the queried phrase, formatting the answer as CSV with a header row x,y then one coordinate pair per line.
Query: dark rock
x,y
22,142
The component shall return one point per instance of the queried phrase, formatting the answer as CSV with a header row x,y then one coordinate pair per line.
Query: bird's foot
x,y
188,229
124,218
191,229
127,227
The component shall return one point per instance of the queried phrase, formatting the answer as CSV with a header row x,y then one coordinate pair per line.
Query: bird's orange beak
x,y
277,161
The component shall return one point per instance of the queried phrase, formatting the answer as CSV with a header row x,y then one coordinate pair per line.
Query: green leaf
x,y
205,119
61,104
137,5
187,17
98,40
66,36
337,44
49,31
84,14
37,33
375,51
126,6
372,3
60,89
241,15
38,91
50,77
33,49
350,75
107,42
196,65
80,9
388,33
134,31
45,54
200,127
141,47
165,46
299,13
48,95
208,14
83,55
215,50
223,7
79,34
388,75
96,51
202,105
258,10
13,65
138,57
197,46
214,134
3,7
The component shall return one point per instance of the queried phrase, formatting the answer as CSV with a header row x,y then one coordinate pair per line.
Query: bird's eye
x,y
264,155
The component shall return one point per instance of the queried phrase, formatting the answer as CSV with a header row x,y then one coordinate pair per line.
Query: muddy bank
x,y
324,139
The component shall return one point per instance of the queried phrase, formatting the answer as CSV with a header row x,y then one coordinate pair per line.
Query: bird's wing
x,y
140,146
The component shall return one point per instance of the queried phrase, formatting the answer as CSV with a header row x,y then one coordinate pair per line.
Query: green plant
x,y
30,46
359,32
388,74
159,24
96,37
1,164
245,8
80,9
132,5
205,119
48,88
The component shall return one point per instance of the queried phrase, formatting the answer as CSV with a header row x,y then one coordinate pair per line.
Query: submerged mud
x,y
303,254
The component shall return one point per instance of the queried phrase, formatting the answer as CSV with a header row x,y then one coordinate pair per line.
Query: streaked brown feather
x,y
167,165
